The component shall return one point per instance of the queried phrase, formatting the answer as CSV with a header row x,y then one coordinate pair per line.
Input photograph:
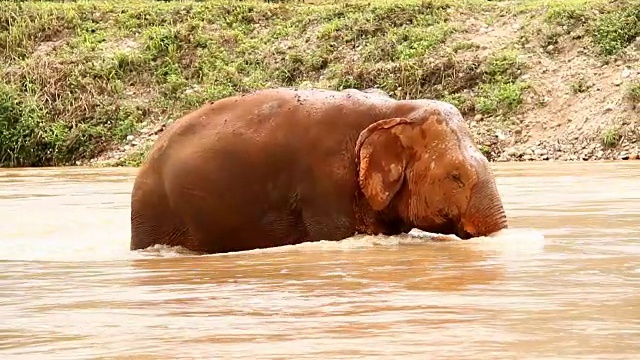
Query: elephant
x,y
282,166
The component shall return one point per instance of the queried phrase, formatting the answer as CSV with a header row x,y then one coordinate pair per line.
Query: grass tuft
x,y
501,91
580,85
633,92
610,137
616,30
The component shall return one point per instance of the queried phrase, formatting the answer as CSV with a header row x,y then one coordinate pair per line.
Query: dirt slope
x,y
96,82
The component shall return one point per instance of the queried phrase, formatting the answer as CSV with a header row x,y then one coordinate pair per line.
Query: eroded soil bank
x,y
96,82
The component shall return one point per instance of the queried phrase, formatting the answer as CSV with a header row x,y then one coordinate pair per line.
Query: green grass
x,y
501,91
76,78
633,92
135,158
615,31
485,150
610,137
579,85
609,26
499,98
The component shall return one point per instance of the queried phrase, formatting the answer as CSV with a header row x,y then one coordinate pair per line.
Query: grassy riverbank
x,y
96,81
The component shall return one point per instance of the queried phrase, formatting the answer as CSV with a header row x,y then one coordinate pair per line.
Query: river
x,y
562,283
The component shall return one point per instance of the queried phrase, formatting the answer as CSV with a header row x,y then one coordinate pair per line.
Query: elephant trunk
x,y
485,213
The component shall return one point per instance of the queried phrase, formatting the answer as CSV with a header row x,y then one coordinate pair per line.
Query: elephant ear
x,y
382,161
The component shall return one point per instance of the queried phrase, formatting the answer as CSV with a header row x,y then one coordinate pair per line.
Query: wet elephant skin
x,y
282,166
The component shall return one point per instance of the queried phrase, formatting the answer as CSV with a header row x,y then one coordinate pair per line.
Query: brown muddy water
x,y
561,284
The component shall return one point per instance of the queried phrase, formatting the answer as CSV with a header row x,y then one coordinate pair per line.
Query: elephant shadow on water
x,y
281,167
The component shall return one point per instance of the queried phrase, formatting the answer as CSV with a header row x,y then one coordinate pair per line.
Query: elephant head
x,y
426,171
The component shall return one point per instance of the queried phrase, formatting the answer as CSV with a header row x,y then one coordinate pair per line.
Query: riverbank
x,y
96,82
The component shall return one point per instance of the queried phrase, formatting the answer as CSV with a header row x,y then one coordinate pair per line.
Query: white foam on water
x,y
508,242
162,251
106,240
512,243
354,243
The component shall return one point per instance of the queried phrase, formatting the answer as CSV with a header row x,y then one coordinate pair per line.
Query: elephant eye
x,y
457,178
